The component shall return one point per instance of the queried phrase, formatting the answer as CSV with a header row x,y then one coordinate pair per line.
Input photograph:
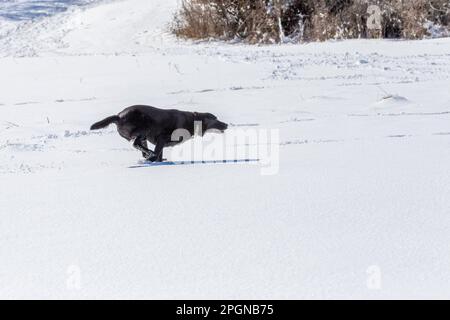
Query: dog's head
x,y
210,122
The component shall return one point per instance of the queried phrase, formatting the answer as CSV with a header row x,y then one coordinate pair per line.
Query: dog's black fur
x,y
143,123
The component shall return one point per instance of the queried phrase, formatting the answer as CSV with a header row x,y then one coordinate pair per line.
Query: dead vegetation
x,y
274,21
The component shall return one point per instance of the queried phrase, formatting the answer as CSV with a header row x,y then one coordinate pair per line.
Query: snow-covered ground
x,y
22,10
358,207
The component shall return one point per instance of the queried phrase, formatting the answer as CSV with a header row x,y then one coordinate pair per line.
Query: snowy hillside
x,y
356,206
23,10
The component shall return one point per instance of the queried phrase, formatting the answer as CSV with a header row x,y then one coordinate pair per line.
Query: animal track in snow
x,y
25,103
297,120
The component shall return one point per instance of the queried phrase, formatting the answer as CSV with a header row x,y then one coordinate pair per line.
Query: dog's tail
x,y
105,122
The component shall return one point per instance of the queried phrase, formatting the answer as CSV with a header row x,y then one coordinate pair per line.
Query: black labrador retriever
x,y
140,124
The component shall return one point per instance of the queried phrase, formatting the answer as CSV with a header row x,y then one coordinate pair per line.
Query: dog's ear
x,y
211,116
204,116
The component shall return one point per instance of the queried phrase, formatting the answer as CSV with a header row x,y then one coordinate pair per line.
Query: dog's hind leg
x,y
140,144
145,145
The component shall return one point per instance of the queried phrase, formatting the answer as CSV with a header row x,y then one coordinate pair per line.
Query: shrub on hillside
x,y
271,21
252,20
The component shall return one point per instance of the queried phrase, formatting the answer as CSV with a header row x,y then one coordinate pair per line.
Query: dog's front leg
x,y
158,154
141,144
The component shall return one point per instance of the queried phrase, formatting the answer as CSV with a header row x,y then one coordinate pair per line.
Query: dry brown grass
x,y
226,19
268,21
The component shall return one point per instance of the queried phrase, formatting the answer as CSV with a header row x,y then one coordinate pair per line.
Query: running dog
x,y
140,124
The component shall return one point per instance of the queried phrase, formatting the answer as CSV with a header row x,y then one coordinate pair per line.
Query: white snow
x,y
358,209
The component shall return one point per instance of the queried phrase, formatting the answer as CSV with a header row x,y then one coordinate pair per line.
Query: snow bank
x,y
108,27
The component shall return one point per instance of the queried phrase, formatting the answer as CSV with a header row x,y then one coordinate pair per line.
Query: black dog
x,y
140,124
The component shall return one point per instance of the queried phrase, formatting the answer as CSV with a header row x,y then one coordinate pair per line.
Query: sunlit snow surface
x,y
20,10
359,206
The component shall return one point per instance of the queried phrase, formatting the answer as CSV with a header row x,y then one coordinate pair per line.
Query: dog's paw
x,y
152,158
149,156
